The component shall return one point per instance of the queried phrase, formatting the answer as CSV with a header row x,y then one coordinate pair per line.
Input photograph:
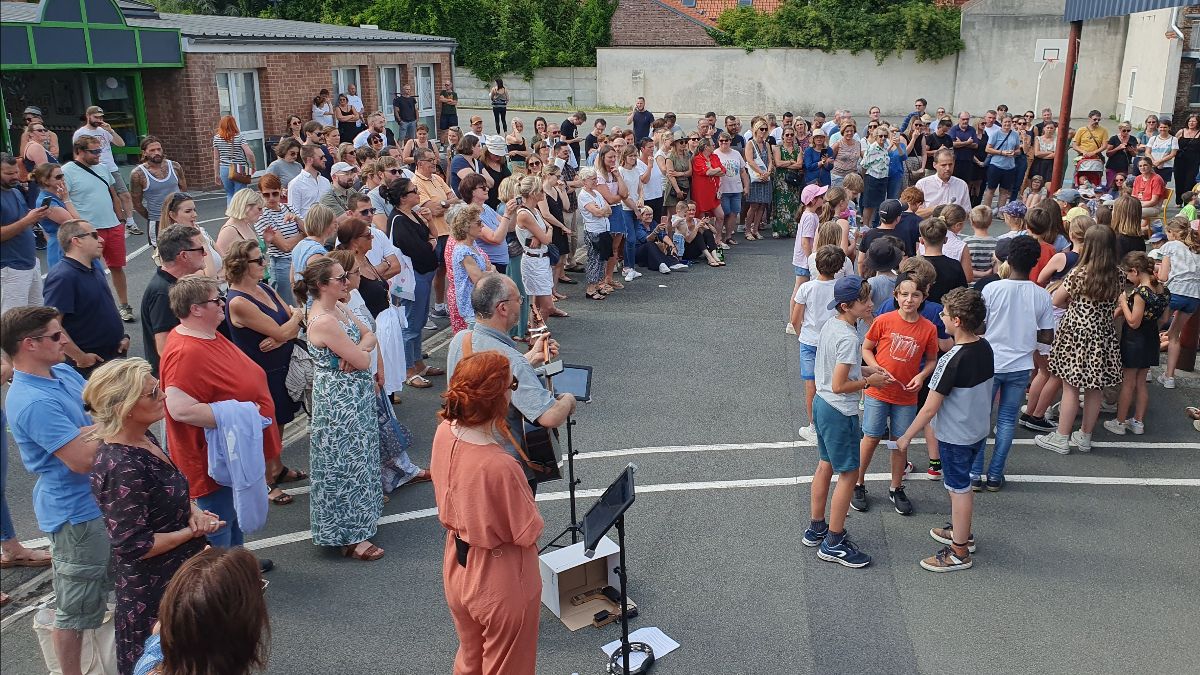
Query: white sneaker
x,y
1166,382
1116,426
1082,441
1136,426
808,433
679,266
662,267
789,329
636,273
430,325
1053,441
628,275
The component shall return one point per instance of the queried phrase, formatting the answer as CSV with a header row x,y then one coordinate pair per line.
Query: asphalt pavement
x,y
1085,563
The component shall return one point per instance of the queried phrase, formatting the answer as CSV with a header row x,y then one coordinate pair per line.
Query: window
x,y
745,3
689,3
1194,91
389,85
237,94
342,79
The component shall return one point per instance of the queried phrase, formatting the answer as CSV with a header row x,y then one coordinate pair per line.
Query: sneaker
x,y
946,560
636,273
944,535
1035,423
1166,382
679,266
977,485
1053,441
1136,426
723,246
843,552
908,468
1082,441
1116,427
859,501
439,312
933,473
126,313
430,325
814,537
900,500
628,274
995,484
789,329
1149,376
133,229
808,433
662,267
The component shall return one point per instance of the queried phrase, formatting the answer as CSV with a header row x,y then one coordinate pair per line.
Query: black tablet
x,y
604,513
575,380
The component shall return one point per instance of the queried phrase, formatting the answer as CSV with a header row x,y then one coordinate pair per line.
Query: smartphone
x,y
46,201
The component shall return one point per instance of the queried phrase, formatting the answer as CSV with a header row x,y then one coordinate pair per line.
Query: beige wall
x,y
1156,60
553,87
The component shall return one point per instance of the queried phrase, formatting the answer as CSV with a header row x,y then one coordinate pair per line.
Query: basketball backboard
x,y
1049,49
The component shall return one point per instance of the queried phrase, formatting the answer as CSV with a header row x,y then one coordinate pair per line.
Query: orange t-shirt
x,y
900,347
1047,252
211,371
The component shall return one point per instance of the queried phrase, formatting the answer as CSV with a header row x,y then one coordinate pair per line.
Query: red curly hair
x,y
475,395
227,128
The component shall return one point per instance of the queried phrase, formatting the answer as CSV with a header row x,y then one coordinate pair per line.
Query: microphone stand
x,y
574,529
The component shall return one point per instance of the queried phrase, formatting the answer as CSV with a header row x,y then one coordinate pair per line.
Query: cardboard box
x,y
567,573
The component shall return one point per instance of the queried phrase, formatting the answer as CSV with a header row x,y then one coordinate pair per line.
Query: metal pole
x,y
571,478
624,602
1064,113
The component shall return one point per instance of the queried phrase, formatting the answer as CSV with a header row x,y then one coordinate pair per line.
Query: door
x,y
1129,95
426,97
237,93
389,85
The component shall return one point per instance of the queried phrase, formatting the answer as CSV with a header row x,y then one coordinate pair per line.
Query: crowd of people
x,y
335,258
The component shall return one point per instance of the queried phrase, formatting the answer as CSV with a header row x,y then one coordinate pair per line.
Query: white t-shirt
x,y
381,246
361,139
653,188
807,230
734,164
815,295
632,178
839,343
1016,311
355,101
105,138
591,222
1184,275
1160,147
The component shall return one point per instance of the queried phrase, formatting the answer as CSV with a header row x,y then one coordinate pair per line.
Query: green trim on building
x,y
61,38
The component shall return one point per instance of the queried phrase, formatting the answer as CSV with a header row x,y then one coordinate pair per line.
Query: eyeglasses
x,y
256,261
219,300
93,234
56,336
516,384
343,277
154,393
199,249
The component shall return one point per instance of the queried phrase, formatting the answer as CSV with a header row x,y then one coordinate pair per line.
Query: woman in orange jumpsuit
x,y
490,569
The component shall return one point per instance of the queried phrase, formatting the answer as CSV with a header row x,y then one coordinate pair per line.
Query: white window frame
x,y
425,113
342,77
235,92
390,82
1194,90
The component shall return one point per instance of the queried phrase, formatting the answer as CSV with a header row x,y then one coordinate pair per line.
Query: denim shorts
x,y
1002,178
731,203
877,415
956,464
808,362
801,271
1184,303
837,436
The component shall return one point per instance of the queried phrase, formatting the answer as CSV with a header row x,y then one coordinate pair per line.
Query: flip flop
x,y
423,476
297,476
372,553
433,371
596,295
418,382
25,562
567,280
1193,412
561,313
281,499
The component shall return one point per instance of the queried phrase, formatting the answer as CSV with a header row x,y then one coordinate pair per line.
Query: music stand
x,y
577,381
608,511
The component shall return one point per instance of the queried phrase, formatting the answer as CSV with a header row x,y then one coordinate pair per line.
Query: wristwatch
x,y
444,204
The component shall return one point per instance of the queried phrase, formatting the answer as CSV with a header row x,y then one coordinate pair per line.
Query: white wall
x,y
1156,60
550,87
698,79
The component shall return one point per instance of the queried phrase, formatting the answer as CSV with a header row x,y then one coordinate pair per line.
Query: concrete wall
x,y
1156,60
803,81
550,87
997,64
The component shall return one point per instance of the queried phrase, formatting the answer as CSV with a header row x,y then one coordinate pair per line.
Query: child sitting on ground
x,y
1035,193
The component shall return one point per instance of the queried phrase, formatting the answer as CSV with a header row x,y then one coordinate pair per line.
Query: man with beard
x,y
19,212
152,181
306,189
96,127
376,124
390,170
337,197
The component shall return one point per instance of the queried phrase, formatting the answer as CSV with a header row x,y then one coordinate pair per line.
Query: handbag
x,y
240,173
299,380
793,178
99,654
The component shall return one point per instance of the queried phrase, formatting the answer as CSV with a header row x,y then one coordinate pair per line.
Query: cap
x,y
811,192
33,110
883,255
496,145
1003,248
94,110
890,210
1157,237
1067,195
1015,208
846,289
476,118
343,167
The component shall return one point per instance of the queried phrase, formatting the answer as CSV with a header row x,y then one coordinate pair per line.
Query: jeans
x,y
630,244
416,313
221,503
894,187
281,276
231,186
7,531
1011,388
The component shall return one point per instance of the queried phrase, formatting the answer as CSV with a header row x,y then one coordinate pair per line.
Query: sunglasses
x,y
785,136
392,172
199,249
57,336
367,212
343,277
219,300
255,261
93,234
726,140
57,176
272,193
95,151
154,393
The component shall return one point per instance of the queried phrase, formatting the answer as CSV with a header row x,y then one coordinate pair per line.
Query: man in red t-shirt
x,y
903,343
1149,189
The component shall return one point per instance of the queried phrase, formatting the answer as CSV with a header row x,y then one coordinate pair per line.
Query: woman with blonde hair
x,y
152,525
535,237
231,156
490,564
319,227
466,263
243,212
180,208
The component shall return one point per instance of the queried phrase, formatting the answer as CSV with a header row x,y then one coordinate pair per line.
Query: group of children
x,y
1048,292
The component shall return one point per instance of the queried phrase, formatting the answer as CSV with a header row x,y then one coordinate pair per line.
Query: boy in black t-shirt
x,y
959,406
949,271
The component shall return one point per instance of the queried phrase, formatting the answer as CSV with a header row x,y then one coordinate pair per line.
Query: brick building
x,y
1187,90
174,75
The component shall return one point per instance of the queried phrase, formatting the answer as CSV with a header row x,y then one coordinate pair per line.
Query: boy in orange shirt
x,y
898,342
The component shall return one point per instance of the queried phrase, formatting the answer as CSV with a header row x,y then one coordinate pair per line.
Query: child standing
x,y
840,378
949,270
1014,217
812,199
959,407
897,342
1180,268
810,311
1143,308
1086,354
883,257
980,243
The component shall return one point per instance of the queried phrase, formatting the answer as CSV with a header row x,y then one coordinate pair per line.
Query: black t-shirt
x,y
589,142
568,132
156,314
641,124
1119,161
950,275
407,106
874,233
1127,243
982,282
934,143
412,238
909,231
737,142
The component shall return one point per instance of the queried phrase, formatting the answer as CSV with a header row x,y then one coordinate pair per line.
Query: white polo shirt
x,y
953,191
304,191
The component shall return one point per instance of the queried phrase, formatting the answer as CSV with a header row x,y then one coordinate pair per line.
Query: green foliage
x,y
883,27
494,36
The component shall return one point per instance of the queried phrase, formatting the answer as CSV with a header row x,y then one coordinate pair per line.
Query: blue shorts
x,y
808,362
618,222
801,271
731,203
956,463
1002,178
1184,303
837,436
877,415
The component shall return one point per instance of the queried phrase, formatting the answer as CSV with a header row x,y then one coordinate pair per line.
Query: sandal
x,y
605,290
287,475
567,280
27,561
559,312
418,382
433,371
560,296
616,284
597,295
713,264
281,499
1193,413
372,552
423,476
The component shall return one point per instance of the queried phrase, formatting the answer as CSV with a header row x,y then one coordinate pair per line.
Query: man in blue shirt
x,y
46,416
1002,150
76,287
965,142
641,119
20,274
917,113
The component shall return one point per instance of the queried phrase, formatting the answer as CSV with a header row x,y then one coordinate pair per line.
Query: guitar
x,y
541,443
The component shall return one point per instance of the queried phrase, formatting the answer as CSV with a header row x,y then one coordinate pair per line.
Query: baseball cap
x,y
1015,208
1068,195
846,289
1003,248
811,192
343,167
1157,237
890,210
95,110
33,110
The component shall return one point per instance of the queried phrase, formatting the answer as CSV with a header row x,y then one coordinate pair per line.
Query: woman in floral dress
x,y
788,181
347,491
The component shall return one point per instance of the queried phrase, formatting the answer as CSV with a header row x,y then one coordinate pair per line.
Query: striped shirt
x,y
230,152
981,249
275,221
